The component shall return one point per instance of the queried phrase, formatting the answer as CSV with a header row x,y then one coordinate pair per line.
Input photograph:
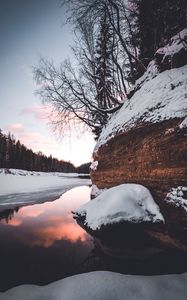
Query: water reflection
x,y
48,222
42,243
8,214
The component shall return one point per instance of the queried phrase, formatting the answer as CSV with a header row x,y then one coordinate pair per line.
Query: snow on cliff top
x,y
161,98
125,202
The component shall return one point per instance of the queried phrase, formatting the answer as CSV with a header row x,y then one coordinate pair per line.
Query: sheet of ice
x,y
176,197
125,202
161,98
24,187
102,285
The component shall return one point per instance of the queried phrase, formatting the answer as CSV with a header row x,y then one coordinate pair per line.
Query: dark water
x,y
42,243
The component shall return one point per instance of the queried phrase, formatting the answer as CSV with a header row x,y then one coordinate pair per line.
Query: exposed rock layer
x,y
133,150
156,157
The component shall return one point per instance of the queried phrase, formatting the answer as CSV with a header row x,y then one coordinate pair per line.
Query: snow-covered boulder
x,y
178,197
123,203
102,285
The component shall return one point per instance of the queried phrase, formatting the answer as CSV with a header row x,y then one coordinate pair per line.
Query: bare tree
x,y
118,12
71,95
97,85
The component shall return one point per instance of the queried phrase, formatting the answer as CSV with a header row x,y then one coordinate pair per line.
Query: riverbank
x,y
20,187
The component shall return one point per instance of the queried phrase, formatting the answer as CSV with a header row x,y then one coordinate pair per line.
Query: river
x,y
42,243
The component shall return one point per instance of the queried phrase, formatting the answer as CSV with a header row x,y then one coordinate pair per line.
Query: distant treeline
x,y
15,155
84,168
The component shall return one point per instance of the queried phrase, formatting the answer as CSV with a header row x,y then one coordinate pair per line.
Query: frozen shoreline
x,y
24,188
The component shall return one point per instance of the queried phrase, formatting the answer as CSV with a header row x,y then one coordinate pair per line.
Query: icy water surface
x,y
42,243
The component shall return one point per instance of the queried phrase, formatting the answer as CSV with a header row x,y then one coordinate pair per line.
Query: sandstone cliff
x,y
146,141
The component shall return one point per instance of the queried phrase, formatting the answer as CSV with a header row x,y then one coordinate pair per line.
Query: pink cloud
x,y
32,139
17,127
40,112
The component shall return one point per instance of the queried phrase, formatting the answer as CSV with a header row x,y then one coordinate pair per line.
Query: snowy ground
x,y
103,285
23,187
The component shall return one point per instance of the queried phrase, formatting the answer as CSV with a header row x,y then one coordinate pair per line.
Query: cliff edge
x,y
145,142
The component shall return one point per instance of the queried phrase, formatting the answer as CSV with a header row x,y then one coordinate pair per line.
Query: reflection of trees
x,y
8,214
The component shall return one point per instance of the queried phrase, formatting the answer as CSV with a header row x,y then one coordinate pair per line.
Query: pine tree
x,y
104,70
13,154
104,64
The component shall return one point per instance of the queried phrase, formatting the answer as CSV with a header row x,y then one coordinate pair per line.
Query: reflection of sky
x,y
42,243
44,224
29,29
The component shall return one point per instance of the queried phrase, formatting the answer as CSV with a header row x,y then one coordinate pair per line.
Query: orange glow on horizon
x,y
48,235
34,211
13,222
52,221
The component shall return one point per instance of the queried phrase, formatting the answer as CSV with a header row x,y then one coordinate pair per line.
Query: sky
x,y
30,29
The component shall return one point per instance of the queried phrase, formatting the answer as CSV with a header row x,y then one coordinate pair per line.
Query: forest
x,y
14,154
117,230
114,43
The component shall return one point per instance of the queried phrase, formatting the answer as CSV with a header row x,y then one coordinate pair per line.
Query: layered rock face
x,y
145,143
154,156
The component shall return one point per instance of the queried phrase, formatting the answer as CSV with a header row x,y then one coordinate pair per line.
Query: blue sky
x,y
30,29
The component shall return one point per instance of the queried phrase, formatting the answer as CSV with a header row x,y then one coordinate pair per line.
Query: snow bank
x,y
161,98
176,197
19,187
25,181
103,285
175,45
34,173
95,191
125,202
